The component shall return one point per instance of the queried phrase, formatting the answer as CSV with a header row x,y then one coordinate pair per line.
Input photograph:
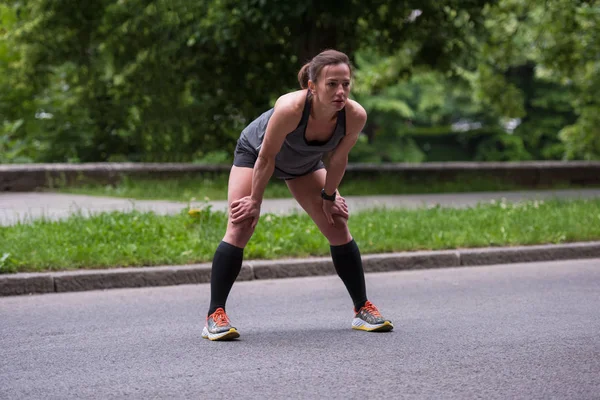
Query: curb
x,y
75,281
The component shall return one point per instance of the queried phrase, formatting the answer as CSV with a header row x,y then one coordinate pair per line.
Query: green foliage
x,y
553,47
534,64
12,150
502,147
410,119
15,99
582,139
172,80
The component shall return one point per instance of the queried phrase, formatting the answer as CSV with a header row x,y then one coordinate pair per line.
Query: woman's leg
x,y
228,258
344,251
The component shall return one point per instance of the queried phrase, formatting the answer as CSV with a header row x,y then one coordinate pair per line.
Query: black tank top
x,y
297,155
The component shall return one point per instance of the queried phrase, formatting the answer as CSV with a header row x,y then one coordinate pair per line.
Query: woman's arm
x,y
355,122
356,118
284,120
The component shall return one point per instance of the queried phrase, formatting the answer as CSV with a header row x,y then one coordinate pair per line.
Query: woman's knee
x,y
239,234
339,233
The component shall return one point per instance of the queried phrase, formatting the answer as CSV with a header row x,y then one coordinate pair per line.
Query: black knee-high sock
x,y
226,266
348,265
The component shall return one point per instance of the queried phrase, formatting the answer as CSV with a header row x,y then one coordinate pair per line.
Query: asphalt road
x,y
25,207
519,331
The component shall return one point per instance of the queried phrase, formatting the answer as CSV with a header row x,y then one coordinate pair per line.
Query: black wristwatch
x,y
326,196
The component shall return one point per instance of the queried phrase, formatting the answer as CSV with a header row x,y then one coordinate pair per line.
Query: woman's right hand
x,y
243,209
337,207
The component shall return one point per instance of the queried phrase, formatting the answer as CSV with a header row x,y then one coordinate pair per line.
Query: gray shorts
x,y
245,156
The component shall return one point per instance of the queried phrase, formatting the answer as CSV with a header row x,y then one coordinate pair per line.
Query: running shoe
x,y
218,327
369,319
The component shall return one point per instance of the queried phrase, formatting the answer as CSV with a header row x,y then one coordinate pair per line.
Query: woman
x,y
289,141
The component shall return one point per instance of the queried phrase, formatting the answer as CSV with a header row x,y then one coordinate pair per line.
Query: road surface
x,y
528,331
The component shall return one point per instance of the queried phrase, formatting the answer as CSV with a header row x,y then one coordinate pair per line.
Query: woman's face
x,y
333,86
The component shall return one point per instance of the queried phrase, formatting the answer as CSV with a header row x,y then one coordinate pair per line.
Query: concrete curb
x,y
59,282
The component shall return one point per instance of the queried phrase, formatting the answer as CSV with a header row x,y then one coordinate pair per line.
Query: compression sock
x,y
348,265
226,266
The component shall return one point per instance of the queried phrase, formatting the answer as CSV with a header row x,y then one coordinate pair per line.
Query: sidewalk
x,y
27,206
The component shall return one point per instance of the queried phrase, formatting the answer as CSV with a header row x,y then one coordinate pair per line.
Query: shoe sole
x,y
229,335
360,325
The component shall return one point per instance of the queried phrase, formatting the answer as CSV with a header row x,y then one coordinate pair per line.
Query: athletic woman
x,y
290,141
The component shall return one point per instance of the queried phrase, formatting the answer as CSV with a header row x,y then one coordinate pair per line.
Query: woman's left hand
x,y
337,207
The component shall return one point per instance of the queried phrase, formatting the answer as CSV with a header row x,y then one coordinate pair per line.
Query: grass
x,y
215,187
136,239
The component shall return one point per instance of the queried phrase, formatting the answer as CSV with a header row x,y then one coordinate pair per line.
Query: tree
x,y
14,98
555,46
172,80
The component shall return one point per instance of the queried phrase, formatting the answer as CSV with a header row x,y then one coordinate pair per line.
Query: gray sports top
x,y
297,156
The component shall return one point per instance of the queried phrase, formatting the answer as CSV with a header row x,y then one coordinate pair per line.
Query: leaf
x,y
384,104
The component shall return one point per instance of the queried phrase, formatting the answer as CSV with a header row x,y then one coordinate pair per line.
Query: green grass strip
x,y
135,239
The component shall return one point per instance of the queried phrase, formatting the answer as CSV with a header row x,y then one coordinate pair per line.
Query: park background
x,y
91,91
176,81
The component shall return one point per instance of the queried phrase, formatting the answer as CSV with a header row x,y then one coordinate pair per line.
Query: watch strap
x,y
327,196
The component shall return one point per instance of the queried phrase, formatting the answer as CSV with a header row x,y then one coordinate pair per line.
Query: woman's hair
x,y
312,69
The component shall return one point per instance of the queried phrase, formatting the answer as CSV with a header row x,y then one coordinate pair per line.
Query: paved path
x,y
27,206
520,331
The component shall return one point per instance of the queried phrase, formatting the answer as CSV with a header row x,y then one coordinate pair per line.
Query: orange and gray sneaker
x,y
369,319
218,327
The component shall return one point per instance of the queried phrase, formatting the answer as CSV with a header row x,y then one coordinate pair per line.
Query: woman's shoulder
x,y
291,104
355,113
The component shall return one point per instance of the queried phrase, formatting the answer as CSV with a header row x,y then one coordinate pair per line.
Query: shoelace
x,y
370,307
220,317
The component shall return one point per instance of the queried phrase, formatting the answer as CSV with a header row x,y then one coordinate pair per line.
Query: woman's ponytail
x,y
303,76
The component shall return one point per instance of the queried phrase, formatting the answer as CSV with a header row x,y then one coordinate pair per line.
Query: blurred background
x,y
177,80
